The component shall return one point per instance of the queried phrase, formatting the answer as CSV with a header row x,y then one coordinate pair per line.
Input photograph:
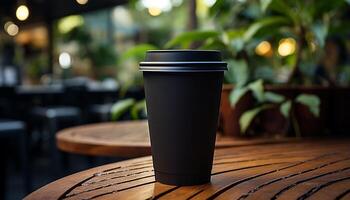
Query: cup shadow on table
x,y
160,190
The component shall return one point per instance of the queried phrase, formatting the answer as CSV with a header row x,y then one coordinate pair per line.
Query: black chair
x,y
100,112
14,131
52,119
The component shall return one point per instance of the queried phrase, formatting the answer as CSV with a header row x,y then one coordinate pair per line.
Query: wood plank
x,y
312,169
130,139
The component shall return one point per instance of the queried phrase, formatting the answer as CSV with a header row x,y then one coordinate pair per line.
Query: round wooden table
x,y
311,169
127,139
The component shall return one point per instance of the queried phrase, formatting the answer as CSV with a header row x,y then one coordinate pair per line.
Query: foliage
x,y
137,52
101,54
37,66
128,73
268,100
247,117
136,109
184,40
310,101
237,72
241,25
120,108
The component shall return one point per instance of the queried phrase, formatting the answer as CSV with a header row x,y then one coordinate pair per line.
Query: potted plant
x,y
242,26
276,113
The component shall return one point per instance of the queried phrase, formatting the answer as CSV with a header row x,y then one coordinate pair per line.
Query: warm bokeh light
x,y
313,46
35,36
11,28
154,11
82,2
286,46
156,7
66,24
209,3
7,24
22,12
263,49
65,60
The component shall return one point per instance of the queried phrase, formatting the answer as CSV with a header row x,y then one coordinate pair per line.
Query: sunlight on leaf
x,y
236,94
311,101
273,97
257,88
121,107
247,118
238,72
321,32
137,108
285,108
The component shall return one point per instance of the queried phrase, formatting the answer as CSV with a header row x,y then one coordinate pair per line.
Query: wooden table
x,y
310,169
127,139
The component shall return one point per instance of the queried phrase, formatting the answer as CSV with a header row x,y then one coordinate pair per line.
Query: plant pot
x,y
340,115
271,121
309,124
229,116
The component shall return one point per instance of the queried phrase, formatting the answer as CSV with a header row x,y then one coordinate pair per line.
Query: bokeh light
x,y
209,3
65,60
11,28
22,12
264,49
66,24
156,7
286,46
154,11
82,2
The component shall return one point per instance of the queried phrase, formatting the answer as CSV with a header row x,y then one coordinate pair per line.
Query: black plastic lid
x,y
183,61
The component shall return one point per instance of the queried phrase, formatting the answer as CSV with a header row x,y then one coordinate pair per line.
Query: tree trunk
x,y
192,15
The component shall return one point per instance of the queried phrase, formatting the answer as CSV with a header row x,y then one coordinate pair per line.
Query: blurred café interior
x,y
74,63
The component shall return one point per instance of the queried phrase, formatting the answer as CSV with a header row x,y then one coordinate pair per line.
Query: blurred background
x,y
72,62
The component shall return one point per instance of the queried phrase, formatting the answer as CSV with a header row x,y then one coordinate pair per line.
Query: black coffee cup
x,y
183,90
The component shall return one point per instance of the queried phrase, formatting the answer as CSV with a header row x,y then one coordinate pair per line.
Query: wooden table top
x,y
318,169
127,139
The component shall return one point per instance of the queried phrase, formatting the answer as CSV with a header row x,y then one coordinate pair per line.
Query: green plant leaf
x,y
236,94
247,117
311,101
238,72
264,4
137,108
234,33
273,97
120,107
321,31
263,23
233,38
218,6
257,88
137,52
185,39
285,108
285,9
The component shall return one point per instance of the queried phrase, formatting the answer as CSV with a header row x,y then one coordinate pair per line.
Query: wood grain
x,y
128,139
318,169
